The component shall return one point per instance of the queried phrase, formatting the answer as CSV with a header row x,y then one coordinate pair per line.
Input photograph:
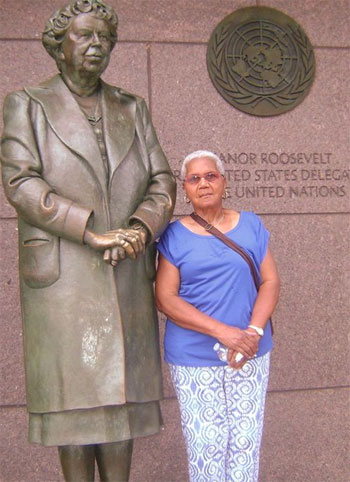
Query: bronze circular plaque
x,y
261,61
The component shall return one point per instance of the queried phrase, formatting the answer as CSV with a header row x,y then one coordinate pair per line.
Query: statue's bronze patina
x,y
92,188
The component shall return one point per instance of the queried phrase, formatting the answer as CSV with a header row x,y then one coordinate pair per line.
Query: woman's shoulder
x,y
173,226
251,217
189,223
252,223
171,230
254,226
171,244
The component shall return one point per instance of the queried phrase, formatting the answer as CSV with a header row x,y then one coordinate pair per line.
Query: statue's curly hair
x,y
58,24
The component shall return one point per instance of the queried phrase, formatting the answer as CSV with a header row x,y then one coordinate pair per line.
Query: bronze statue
x,y
92,188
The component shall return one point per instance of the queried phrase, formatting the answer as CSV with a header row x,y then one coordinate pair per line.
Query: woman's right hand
x,y
239,341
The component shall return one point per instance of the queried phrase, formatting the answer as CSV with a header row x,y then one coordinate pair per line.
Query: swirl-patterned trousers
x,y
222,413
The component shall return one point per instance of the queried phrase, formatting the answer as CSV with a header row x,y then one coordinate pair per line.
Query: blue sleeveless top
x,y
217,281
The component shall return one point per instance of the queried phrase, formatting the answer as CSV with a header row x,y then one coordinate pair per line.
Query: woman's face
x,y
87,45
205,192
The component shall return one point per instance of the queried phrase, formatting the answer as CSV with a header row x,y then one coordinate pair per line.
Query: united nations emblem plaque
x,y
261,61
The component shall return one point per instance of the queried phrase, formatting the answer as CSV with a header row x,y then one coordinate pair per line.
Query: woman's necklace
x,y
218,222
221,219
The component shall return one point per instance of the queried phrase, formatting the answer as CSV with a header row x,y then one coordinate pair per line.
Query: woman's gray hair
x,y
58,24
199,154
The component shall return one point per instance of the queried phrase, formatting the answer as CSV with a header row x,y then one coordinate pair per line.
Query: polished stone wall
x,y
292,169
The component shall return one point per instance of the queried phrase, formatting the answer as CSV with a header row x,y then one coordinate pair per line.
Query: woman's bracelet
x,y
259,330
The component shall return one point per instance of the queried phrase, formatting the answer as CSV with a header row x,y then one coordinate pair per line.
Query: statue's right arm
x,y
33,198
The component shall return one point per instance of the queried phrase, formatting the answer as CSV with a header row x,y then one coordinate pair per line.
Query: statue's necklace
x,y
96,116
92,112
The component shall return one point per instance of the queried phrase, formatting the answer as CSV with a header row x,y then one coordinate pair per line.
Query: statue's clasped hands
x,y
118,243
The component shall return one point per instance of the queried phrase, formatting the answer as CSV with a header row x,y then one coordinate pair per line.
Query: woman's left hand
x,y
232,354
231,360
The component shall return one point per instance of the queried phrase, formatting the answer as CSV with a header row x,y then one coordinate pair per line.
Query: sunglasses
x,y
211,176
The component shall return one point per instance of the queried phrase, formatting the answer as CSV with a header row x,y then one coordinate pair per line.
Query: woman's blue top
x,y
217,281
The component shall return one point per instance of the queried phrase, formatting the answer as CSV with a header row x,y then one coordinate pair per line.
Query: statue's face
x,y
86,45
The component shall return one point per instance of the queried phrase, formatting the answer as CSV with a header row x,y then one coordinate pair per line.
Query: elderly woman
x,y
208,293
83,168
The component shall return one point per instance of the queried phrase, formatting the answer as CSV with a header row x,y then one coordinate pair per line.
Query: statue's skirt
x,y
95,425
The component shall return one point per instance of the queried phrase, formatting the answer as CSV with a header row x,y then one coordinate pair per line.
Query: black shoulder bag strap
x,y
231,244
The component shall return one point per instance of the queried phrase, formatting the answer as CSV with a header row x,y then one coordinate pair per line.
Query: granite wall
x,y
161,56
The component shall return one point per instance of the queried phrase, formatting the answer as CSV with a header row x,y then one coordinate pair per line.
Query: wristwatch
x,y
259,330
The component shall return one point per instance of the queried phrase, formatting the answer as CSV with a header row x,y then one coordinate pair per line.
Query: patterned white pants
x,y
222,413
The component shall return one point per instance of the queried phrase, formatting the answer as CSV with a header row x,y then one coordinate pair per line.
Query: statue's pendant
x,y
97,115
93,119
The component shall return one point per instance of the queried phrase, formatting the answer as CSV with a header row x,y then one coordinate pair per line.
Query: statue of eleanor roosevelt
x,y
92,188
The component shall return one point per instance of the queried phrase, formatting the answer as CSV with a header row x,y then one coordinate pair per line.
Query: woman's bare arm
x,y
264,305
267,298
187,316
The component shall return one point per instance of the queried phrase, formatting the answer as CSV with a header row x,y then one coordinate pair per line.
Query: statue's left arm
x,y
156,209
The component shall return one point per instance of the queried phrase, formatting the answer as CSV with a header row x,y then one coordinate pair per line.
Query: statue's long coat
x,y
90,330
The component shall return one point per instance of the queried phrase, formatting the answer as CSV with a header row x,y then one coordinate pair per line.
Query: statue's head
x,y
59,24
